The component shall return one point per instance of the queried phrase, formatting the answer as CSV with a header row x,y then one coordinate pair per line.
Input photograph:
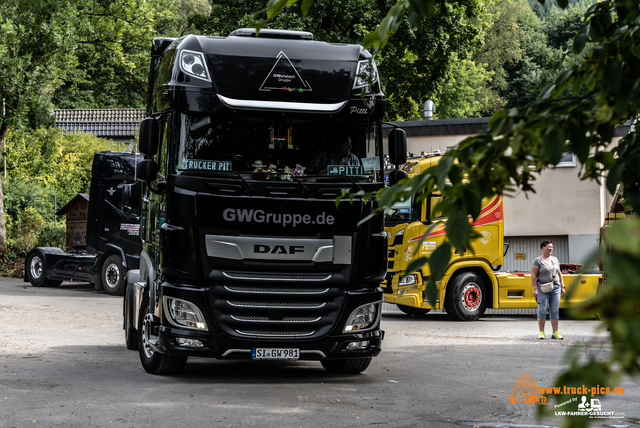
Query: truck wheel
x,y
35,267
467,298
130,333
410,310
347,365
113,275
154,362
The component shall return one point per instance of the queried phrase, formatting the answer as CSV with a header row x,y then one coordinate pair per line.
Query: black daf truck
x,y
246,253
111,245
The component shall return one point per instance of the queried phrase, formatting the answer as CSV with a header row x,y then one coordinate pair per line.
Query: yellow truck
x,y
473,281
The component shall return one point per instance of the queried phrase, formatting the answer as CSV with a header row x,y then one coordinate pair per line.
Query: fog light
x,y
363,318
358,345
401,292
184,314
193,343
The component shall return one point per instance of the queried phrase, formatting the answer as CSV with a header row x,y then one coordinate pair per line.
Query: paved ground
x,y
63,363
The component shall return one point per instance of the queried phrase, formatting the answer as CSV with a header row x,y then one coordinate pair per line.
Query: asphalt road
x,y
63,363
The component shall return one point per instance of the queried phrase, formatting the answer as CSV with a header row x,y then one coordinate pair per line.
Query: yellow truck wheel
x,y
466,298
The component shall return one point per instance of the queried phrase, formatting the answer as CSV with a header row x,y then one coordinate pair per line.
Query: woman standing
x,y
546,269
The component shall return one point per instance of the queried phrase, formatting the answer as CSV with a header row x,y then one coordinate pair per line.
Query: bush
x,y
52,235
25,230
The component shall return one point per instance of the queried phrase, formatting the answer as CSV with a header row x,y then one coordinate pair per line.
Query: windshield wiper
x,y
306,189
244,180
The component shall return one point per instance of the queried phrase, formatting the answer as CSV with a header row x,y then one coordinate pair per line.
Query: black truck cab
x,y
112,243
246,253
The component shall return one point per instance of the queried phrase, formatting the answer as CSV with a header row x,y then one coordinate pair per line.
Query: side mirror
x,y
147,170
397,146
149,131
396,175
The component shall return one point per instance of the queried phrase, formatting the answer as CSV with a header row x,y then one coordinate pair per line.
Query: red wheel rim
x,y
472,296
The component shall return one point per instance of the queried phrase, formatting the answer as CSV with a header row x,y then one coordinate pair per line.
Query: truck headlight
x,y
366,74
408,280
363,318
184,314
193,64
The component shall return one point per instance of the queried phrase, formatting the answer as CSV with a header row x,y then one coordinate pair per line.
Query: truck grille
x,y
268,333
275,277
276,305
276,310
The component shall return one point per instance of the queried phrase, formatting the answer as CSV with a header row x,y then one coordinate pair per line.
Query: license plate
x,y
275,354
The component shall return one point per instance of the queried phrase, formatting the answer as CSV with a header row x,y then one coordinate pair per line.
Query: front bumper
x,y
225,339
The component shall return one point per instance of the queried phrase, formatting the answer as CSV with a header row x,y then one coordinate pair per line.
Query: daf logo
x,y
277,249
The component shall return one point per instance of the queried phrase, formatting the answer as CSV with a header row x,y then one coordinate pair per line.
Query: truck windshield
x,y
403,212
274,148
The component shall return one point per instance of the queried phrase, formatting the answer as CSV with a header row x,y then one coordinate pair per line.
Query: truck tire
x,y
130,333
35,267
154,362
347,365
467,298
113,275
410,310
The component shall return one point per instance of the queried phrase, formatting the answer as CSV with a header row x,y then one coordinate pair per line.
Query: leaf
x,y
579,43
613,178
553,147
416,264
612,77
306,5
431,291
443,170
472,201
439,260
458,229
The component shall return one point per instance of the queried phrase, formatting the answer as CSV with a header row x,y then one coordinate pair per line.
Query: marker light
x,y
193,64
366,74
363,318
184,314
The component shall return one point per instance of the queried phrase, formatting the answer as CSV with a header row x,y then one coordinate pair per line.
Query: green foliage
x,y
23,232
46,158
468,92
44,171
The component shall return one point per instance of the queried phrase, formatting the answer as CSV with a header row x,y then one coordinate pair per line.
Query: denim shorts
x,y
550,300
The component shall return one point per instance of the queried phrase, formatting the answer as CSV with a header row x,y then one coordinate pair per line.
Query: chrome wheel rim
x,y
112,275
147,336
35,267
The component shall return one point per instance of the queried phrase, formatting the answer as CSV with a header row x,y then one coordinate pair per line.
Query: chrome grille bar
x,y
275,277
251,318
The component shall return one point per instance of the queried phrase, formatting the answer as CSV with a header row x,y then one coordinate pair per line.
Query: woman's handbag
x,y
546,287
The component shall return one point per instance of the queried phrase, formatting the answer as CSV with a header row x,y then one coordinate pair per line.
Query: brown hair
x,y
545,243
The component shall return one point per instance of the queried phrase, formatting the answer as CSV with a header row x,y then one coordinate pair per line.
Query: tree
x,y
522,141
39,48
412,70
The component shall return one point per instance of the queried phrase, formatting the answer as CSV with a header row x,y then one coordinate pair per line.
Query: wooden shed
x,y
76,211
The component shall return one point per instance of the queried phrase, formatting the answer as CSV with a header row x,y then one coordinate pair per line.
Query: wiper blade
x,y
244,180
306,189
